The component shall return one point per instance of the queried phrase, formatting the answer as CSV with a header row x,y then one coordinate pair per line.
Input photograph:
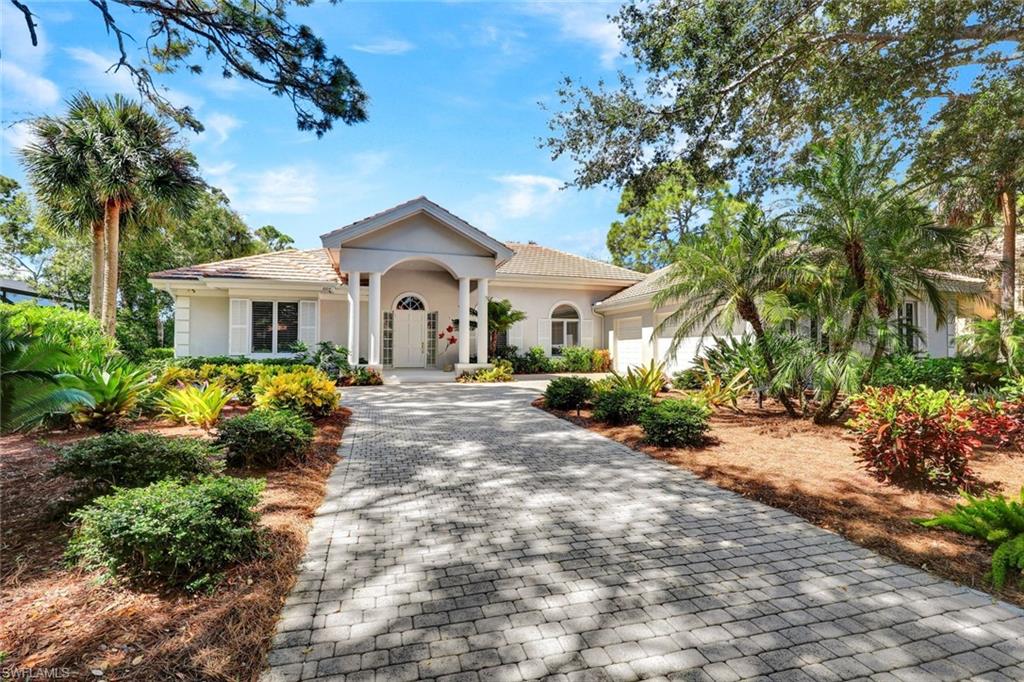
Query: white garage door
x,y
628,343
685,352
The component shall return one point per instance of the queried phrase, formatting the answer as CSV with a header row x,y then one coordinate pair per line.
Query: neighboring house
x,y
16,291
388,286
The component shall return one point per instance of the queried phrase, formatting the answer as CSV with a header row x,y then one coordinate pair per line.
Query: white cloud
x,y
285,189
528,195
18,135
32,89
389,46
585,22
220,126
100,71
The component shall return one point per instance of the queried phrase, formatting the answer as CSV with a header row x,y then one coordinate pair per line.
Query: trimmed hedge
x,y
568,393
676,423
130,460
265,437
621,405
173,532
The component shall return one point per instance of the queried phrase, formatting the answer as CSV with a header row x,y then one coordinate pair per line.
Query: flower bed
x,y
58,617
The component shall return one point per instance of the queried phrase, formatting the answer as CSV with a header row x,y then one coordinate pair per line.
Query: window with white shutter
x,y
238,326
308,313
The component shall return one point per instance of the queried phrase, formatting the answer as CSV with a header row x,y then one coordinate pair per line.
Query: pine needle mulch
x,y
62,620
812,471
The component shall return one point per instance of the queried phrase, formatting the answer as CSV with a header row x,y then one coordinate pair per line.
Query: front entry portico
x,y
423,235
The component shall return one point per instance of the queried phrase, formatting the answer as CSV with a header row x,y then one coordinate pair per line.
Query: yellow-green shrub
x,y
308,391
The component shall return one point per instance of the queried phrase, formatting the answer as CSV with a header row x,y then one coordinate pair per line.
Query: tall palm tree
x,y
875,239
120,159
739,266
56,164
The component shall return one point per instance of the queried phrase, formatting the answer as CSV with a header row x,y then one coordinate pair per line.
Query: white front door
x,y
410,338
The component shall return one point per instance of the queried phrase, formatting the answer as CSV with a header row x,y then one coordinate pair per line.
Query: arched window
x,y
410,303
565,328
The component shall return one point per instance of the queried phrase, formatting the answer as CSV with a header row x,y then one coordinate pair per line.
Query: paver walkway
x,y
467,535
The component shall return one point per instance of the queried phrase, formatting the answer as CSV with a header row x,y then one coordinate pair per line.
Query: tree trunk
x,y
112,228
1008,204
876,355
748,312
98,260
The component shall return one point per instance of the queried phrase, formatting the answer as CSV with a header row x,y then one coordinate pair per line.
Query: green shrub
x,y
577,359
501,372
117,389
534,361
676,423
197,405
309,392
330,359
905,371
131,460
77,332
197,361
361,376
620,405
178,533
688,379
996,520
157,354
265,437
568,393
601,361
915,437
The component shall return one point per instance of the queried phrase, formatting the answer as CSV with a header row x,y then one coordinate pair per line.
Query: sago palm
x,y
32,382
119,159
740,267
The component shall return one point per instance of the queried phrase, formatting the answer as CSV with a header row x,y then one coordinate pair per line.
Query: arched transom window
x,y
565,328
410,303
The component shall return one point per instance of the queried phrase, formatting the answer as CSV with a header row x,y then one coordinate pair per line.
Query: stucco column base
x,y
463,367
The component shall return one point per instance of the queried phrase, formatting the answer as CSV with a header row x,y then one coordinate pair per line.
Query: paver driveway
x,y
468,534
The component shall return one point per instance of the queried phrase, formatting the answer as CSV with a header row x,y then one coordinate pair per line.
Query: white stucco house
x,y
388,286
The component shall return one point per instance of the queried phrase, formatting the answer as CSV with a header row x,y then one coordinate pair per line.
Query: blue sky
x,y
454,114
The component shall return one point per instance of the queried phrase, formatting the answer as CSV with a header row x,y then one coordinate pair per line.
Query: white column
x,y
464,320
353,317
482,333
373,354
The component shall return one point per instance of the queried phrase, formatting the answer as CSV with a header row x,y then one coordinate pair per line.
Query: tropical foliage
x,y
307,392
568,393
33,383
916,437
197,405
649,379
116,390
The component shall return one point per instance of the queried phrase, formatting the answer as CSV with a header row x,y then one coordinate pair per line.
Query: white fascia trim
x,y
639,303
336,239
559,282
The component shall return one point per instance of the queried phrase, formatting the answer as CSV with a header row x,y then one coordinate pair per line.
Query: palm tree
x,y
740,265
32,383
57,169
500,318
875,240
119,159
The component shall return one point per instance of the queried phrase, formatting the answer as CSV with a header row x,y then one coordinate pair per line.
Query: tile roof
x,y
540,261
658,280
310,265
